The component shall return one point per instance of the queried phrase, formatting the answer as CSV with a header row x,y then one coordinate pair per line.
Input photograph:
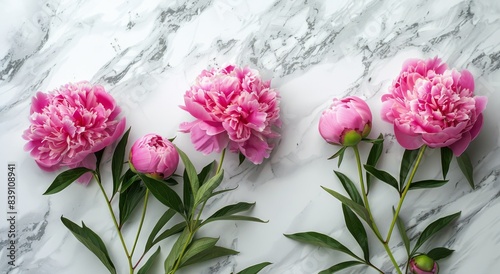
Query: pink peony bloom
x,y
154,155
432,105
346,121
233,108
423,264
71,123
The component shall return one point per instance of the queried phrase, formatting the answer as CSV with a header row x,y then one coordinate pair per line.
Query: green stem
x,y
113,216
407,187
145,206
367,205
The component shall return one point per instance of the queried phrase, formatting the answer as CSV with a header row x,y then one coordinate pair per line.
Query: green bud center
x,y
351,138
424,262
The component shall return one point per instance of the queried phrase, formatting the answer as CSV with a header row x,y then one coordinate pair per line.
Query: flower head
x,y
423,264
432,105
154,155
233,109
71,123
346,121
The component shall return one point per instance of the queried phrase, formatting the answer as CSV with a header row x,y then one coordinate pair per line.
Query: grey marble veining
x,y
147,53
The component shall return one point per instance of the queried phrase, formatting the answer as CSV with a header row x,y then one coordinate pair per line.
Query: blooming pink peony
x,y
346,121
71,123
233,108
432,105
154,156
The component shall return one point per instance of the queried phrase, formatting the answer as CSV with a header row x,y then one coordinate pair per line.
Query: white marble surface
x,y
147,53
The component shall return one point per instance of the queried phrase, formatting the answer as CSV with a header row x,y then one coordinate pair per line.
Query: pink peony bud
x,y
154,156
423,264
346,121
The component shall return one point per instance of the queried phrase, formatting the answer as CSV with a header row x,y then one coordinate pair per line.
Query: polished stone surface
x,y
147,53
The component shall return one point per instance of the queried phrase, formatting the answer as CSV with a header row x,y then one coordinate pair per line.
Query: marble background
x,y
147,53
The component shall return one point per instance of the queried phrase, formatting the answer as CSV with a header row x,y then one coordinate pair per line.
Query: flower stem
x,y
405,191
145,206
113,216
367,205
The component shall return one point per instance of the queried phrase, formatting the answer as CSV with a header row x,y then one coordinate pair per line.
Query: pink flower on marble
x,y
70,124
233,109
346,121
432,105
154,155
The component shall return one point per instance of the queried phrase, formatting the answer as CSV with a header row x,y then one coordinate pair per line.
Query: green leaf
x,y
129,199
254,269
439,253
128,179
382,176
145,269
373,157
176,250
198,246
203,176
234,218
358,209
158,226
163,193
92,241
190,170
409,158
357,230
349,187
207,188
340,266
241,158
427,184
64,179
118,161
446,157
321,240
222,191
341,157
232,209
187,194
402,232
178,228
433,228
208,254
98,157
338,153
466,166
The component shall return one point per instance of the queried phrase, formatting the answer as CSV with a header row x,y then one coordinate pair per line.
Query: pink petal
x,y
459,146
408,141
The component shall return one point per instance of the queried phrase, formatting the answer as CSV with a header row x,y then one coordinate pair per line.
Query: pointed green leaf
x,y
163,193
427,184
203,176
446,157
409,158
170,181
98,157
146,268
118,161
341,157
466,167
233,218
209,254
173,255
232,209
64,179
340,266
254,269
92,241
350,188
215,193
321,240
357,230
338,153
241,158
187,194
433,228
373,157
358,209
207,188
178,228
402,232
198,246
439,253
129,199
158,226
128,179
190,170
382,176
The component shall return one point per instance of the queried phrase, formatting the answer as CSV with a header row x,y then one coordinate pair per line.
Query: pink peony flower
x,y
71,123
154,155
423,264
346,121
233,108
432,105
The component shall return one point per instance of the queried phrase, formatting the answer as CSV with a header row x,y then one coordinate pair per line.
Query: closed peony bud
x,y
423,264
346,121
154,156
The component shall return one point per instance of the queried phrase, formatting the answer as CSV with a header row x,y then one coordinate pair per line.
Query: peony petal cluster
x,y
70,124
433,105
346,121
233,109
153,155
